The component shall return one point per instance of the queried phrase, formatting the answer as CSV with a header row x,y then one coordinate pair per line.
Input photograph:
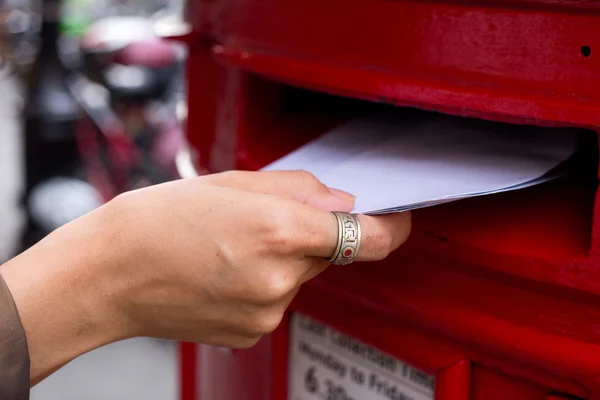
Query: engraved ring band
x,y
349,235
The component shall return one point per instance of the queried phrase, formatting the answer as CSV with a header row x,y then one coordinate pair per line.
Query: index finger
x,y
300,186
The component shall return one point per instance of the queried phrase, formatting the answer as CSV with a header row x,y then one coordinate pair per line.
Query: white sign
x,y
325,364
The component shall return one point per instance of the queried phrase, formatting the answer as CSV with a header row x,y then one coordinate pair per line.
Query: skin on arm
x,y
63,295
212,260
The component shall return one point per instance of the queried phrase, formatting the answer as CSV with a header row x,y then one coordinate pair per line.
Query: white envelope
x,y
391,164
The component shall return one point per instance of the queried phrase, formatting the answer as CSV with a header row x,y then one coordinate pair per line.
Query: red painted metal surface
x,y
188,360
454,382
499,297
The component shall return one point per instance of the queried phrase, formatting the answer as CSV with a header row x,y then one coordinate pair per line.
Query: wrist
x,y
65,293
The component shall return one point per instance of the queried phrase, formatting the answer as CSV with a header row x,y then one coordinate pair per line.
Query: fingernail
x,y
341,194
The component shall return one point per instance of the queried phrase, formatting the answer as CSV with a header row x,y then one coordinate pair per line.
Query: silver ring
x,y
349,235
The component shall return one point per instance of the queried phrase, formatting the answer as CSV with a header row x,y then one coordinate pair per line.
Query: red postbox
x,y
491,298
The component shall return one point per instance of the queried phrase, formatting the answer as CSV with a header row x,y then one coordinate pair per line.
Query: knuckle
x,y
279,285
275,288
267,322
307,179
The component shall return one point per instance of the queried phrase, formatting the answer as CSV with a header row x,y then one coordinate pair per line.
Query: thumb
x,y
300,186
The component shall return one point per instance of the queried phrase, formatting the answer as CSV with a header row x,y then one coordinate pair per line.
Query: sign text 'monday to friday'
x,y
361,351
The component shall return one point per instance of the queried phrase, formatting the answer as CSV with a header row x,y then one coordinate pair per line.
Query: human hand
x,y
218,259
214,260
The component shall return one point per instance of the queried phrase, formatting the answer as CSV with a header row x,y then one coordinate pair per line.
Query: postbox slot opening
x,y
550,221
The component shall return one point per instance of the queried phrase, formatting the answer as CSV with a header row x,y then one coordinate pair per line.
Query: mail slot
x,y
492,298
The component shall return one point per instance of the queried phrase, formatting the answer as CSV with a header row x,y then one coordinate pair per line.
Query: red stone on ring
x,y
347,252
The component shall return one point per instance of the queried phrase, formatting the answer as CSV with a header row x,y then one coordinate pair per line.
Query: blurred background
x,y
92,104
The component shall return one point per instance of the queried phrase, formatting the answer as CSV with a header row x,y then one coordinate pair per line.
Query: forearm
x,y
63,295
